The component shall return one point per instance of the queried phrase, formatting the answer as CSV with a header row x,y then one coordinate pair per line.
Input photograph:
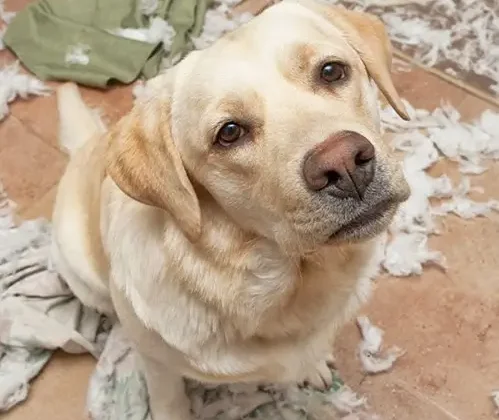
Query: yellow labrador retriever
x,y
231,218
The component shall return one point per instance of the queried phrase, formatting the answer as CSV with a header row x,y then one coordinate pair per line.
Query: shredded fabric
x,y
13,84
118,390
370,348
38,312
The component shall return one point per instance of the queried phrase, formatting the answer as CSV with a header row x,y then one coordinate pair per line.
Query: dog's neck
x,y
251,281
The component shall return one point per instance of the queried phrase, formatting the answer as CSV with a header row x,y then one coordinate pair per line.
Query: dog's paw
x,y
320,376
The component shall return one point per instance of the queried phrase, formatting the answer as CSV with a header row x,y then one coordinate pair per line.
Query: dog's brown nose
x,y
343,165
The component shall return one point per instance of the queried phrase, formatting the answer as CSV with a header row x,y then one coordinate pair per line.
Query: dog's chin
x,y
366,225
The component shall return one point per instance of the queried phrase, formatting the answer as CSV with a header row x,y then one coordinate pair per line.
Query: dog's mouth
x,y
367,224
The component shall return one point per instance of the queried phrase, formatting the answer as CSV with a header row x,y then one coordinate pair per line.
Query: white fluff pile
x,y
370,352
15,84
462,34
218,21
427,138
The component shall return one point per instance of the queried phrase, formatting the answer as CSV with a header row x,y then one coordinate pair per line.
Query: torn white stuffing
x,y
218,21
370,348
438,38
347,401
159,30
5,16
148,7
15,84
77,54
407,253
460,205
426,139
495,400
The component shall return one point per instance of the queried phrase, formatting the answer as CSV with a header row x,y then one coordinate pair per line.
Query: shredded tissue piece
x,y
78,54
15,84
370,348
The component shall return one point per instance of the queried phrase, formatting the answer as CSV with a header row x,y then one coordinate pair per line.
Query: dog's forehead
x,y
283,24
251,51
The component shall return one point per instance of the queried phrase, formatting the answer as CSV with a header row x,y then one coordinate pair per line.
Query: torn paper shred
x,y
77,54
15,84
373,361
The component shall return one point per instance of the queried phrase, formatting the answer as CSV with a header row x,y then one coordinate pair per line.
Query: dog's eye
x,y
229,133
333,72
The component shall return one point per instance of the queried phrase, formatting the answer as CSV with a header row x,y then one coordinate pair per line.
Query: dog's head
x,y
277,122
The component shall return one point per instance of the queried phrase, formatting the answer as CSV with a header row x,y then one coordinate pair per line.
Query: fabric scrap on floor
x,y
118,390
82,42
38,312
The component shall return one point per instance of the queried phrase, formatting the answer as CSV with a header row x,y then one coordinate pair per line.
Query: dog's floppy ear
x,y
144,162
367,35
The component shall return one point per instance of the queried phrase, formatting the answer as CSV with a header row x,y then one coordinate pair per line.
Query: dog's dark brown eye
x,y
229,133
333,72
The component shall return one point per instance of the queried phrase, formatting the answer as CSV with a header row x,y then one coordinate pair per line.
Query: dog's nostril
x,y
332,177
362,158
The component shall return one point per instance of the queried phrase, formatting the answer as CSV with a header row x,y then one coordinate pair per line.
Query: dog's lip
x,y
368,217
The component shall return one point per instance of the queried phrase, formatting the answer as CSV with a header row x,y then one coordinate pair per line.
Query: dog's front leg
x,y
167,397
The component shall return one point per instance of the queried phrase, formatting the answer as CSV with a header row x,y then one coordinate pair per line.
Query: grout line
x,y
448,78
406,387
42,138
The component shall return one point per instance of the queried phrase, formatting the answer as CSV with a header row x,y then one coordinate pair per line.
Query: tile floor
x,y
447,321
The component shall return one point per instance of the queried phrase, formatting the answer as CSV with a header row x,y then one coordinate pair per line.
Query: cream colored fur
x,y
219,263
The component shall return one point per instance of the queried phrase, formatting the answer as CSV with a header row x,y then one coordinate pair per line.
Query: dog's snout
x,y
343,164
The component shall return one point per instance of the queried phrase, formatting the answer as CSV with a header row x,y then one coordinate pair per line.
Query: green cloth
x,y
42,34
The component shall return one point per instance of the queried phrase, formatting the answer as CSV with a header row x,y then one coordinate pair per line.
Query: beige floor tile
x,y
29,168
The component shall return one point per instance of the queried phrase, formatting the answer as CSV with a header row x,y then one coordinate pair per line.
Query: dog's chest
x,y
291,303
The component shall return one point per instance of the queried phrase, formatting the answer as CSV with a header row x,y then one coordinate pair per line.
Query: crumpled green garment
x,y
42,34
